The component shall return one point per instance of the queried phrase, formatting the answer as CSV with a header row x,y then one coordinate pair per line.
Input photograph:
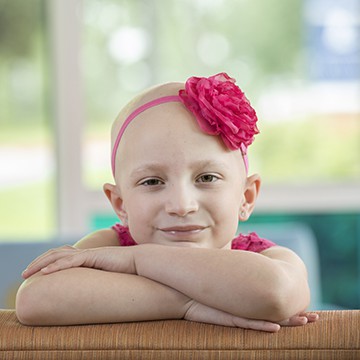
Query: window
x,y
300,71
292,63
27,208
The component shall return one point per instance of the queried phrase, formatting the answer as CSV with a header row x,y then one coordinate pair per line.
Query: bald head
x,y
150,94
234,121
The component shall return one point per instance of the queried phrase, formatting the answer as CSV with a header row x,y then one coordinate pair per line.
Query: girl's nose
x,y
181,201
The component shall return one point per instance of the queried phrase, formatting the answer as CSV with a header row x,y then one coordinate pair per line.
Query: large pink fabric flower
x,y
221,108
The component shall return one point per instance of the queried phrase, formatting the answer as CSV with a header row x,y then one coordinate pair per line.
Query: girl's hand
x,y
300,319
202,313
114,259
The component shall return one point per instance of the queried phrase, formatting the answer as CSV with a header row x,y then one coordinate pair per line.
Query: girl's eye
x,y
151,182
207,178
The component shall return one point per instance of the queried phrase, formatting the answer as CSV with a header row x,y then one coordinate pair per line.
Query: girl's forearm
x,y
83,296
242,283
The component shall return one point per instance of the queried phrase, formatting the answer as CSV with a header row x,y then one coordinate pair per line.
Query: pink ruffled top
x,y
250,242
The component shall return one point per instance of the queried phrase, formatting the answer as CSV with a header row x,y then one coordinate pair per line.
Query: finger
x,y
300,319
259,325
295,320
45,259
49,252
67,262
78,259
312,317
42,262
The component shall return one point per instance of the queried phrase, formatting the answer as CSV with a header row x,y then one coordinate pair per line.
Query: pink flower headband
x,y
219,106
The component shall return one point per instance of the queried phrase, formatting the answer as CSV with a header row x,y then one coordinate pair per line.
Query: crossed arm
x,y
92,284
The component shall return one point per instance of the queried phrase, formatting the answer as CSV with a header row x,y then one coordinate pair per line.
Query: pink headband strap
x,y
148,105
134,114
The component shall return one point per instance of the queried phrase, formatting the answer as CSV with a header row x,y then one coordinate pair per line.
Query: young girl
x,y
179,160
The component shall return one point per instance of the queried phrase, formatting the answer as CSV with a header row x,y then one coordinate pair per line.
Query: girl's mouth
x,y
185,232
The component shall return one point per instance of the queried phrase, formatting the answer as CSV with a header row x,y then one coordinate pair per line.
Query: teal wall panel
x,y
338,239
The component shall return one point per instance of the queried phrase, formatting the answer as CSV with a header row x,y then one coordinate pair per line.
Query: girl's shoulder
x,y
98,238
251,242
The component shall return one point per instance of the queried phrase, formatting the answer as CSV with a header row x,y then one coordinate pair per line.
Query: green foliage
x,y
19,21
309,150
262,40
23,67
268,33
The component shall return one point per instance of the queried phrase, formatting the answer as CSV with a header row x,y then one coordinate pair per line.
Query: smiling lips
x,y
183,230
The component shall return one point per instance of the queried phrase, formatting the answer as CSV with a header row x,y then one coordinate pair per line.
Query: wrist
x,y
189,308
144,256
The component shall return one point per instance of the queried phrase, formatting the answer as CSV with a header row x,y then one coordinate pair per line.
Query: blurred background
x,y
68,66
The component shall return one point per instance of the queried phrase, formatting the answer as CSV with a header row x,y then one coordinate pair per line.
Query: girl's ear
x,y
251,191
112,193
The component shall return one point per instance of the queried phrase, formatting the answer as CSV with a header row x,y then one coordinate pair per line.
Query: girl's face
x,y
177,185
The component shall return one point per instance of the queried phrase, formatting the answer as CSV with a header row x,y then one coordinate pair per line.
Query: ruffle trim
x,y
250,242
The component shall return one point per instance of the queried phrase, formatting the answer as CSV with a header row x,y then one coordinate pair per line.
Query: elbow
x,y
31,303
278,308
25,306
286,299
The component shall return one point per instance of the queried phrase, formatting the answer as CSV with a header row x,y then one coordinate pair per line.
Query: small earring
x,y
243,214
